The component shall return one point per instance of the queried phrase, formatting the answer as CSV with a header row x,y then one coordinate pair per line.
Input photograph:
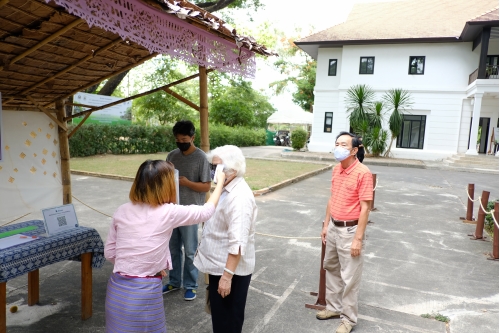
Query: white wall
x,y
489,109
439,93
326,99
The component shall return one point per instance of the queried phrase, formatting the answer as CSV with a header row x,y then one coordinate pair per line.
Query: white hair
x,y
232,158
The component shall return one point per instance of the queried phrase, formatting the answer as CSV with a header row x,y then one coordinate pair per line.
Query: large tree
x,y
241,105
299,71
111,84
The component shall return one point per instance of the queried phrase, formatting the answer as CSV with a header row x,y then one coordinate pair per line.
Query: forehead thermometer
x,y
220,167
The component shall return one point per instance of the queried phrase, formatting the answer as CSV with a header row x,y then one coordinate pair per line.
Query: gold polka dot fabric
x,y
30,172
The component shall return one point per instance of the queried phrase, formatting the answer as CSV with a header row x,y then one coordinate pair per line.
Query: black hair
x,y
184,127
355,140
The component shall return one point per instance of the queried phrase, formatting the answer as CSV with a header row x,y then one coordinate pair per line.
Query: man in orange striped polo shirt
x,y
344,232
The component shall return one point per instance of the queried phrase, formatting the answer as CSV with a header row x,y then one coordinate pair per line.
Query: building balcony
x,y
491,73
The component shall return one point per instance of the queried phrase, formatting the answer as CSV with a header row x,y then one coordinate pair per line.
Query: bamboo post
x,y
64,151
205,143
481,215
203,109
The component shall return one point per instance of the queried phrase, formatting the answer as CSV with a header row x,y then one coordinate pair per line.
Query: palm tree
x,y
398,99
358,100
377,140
376,114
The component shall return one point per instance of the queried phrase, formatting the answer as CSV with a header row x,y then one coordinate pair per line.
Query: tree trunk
x,y
112,84
388,151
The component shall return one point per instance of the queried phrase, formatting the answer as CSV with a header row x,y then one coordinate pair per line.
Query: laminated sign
x,y
59,219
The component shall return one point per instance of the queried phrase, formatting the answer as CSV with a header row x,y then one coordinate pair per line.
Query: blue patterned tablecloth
x,y
68,245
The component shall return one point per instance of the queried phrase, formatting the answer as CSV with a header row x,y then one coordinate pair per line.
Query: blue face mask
x,y
341,153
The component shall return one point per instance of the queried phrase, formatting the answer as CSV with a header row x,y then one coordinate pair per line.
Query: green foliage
x,y
489,224
94,139
298,68
376,114
221,135
299,139
220,4
359,103
160,107
397,99
241,105
376,139
437,316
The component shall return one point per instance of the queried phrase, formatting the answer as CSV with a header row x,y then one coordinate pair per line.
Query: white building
x,y
454,86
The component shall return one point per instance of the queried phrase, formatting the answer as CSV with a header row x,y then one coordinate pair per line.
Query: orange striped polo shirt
x,y
349,187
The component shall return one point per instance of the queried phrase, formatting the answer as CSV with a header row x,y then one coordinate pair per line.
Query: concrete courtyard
x,y
418,260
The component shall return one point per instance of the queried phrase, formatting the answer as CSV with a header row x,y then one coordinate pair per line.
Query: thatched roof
x,y
402,21
49,52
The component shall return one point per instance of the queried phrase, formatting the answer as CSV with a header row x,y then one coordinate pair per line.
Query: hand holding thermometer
x,y
220,168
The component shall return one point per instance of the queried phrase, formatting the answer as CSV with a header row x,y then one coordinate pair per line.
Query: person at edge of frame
x,y
361,150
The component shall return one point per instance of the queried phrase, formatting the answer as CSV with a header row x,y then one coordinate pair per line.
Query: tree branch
x,y
213,6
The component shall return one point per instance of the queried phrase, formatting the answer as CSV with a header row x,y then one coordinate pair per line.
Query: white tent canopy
x,y
298,117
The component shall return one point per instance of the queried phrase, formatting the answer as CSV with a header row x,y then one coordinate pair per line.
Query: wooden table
x,y
82,244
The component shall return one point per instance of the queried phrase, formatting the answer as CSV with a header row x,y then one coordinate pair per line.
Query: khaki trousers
x,y
343,272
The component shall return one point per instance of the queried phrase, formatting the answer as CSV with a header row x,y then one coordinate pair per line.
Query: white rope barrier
x,y
467,191
491,212
83,203
15,219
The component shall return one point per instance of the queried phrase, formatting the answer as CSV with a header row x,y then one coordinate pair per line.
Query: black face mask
x,y
183,146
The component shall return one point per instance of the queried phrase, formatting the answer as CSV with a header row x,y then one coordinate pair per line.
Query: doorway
x,y
482,134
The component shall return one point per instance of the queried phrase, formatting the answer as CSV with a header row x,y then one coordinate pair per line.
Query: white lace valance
x,y
164,33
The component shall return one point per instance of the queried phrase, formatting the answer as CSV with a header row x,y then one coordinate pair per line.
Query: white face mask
x,y
341,153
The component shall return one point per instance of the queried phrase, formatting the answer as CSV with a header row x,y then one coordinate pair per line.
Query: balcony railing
x,y
491,73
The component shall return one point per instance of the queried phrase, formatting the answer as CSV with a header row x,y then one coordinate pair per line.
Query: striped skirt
x,y
134,305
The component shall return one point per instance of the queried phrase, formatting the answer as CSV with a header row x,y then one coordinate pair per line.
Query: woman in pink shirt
x,y
137,245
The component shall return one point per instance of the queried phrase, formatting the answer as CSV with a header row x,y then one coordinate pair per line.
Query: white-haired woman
x,y
227,248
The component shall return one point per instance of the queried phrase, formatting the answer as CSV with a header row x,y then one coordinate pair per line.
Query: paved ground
x,y
418,260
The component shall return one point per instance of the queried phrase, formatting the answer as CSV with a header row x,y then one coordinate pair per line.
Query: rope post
x,y
481,215
470,205
374,177
321,300
494,254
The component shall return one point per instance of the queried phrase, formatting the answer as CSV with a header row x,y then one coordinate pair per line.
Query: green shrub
x,y
489,224
299,138
94,139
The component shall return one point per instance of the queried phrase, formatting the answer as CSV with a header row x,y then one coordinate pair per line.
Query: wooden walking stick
x,y
321,300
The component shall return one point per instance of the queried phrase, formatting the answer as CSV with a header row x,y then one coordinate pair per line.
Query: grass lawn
x,y
260,173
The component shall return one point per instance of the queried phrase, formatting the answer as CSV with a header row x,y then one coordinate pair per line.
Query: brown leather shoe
x,y
326,314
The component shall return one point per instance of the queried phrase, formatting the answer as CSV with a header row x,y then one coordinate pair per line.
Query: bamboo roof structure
x,y
50,50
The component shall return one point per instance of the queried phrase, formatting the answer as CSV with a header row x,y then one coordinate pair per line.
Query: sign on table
x,y
58,219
